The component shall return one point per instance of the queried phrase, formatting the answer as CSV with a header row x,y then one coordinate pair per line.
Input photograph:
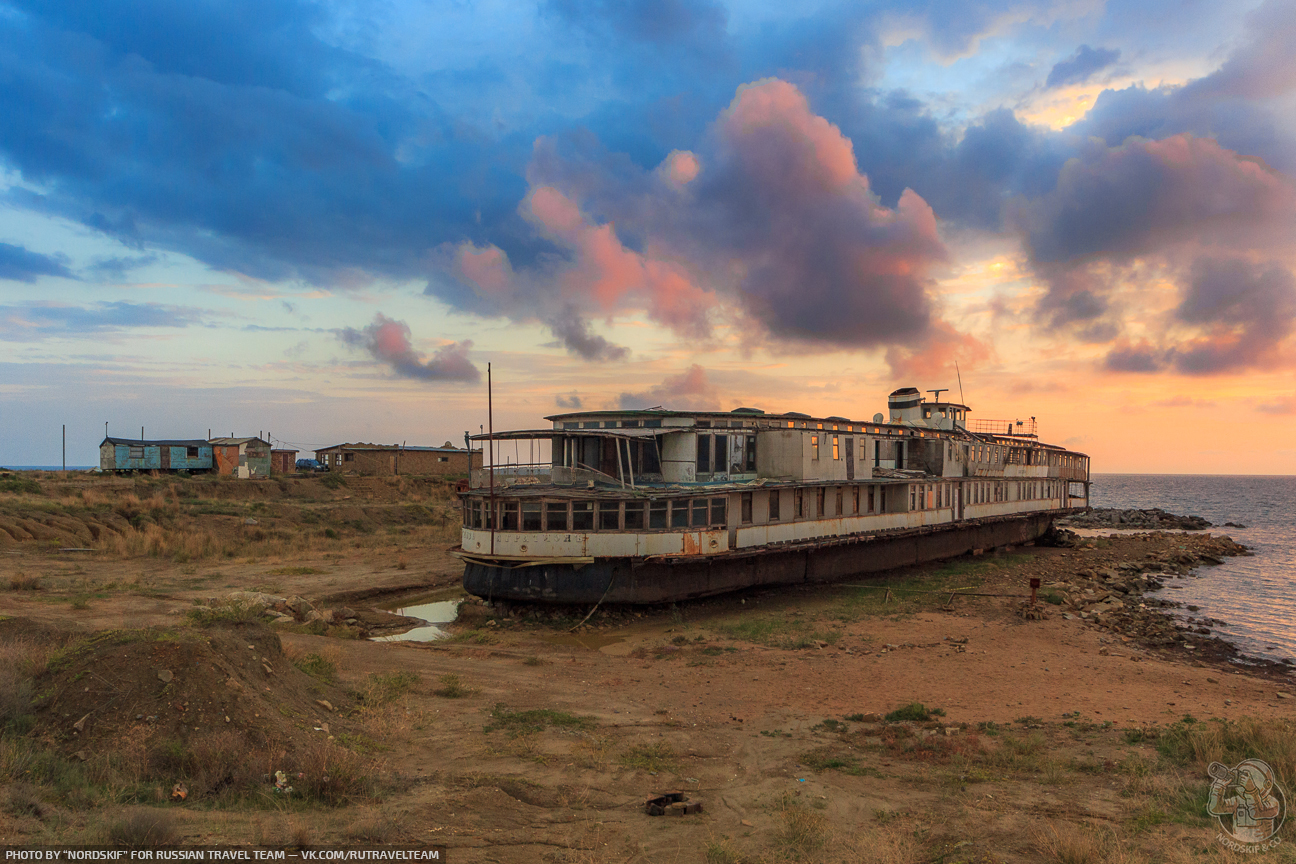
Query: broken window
x,y
609,515
136,453
871,507
800,504
582,515
814,447
657,514
634,515
700,513
774,505
679,514
838,502
721,460
750,465
531,516
855,499
821,495
350,457
718,516
509,516
555,516
191,452
746,508
704,454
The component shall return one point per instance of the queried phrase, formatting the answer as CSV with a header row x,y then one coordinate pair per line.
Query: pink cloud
x,y
388,342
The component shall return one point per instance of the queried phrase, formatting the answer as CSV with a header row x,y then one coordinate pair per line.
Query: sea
x,y
1254,595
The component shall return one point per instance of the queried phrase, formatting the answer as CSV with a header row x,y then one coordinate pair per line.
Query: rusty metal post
x,y
1034,586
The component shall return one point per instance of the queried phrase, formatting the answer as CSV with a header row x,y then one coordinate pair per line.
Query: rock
x,y
258,597
299,606
313,615
82,755
250,521
344,612
1282,695
327,705
165,676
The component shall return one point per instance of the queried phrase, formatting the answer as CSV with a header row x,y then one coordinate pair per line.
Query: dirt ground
x,y
526,738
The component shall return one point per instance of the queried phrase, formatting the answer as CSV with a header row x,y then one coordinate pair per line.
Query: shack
x,y
283,461
241,457
389,459
127,454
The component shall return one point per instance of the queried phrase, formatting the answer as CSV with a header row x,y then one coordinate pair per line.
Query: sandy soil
x,y
1041,726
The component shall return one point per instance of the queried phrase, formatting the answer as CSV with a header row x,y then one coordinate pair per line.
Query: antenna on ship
x,y
960,380
490,442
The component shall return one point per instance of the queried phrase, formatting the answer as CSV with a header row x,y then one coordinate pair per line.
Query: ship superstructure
x,y
657,505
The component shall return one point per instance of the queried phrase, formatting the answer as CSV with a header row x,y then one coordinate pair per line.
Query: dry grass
x,y
1065,843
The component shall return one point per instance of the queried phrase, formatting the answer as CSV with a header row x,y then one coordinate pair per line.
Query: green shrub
x,y
914,711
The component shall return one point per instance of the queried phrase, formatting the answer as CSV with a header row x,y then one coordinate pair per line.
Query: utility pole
x,y
64,448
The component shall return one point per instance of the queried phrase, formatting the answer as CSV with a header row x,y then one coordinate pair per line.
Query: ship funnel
x,y
904,405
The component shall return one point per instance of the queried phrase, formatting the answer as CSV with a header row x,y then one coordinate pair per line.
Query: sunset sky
x,y
320,220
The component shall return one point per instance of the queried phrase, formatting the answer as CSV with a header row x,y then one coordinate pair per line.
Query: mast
x,y
490,442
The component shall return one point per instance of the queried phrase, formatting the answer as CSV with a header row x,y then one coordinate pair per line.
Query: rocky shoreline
x,y
1155,519
1122,599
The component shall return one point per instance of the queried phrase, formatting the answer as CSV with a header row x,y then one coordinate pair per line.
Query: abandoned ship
x,y
652,506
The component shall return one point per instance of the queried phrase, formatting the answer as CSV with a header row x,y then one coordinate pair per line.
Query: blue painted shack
x,y
126,454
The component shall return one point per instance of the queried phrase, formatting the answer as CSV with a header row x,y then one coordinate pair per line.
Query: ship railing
x,y
540,474
1013,428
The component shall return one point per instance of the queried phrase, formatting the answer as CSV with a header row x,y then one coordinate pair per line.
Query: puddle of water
x,y
434,614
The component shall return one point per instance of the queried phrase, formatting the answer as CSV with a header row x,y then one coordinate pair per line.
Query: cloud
x,y
1246,309
571,401
1264,66
388,341
114,269
1134,358
22,265
691,390
42,320
574,333
1280,406
1081,66
1182,402
772,216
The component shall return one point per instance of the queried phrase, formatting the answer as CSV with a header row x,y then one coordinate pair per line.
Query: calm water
x,y
1256,595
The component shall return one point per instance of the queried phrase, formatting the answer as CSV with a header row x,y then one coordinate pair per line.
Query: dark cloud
x,y
771,221
691,390
388,341
1264,66
1134,358
33,321
574,334
571,401
22,265
115,269
1245,309
1081,66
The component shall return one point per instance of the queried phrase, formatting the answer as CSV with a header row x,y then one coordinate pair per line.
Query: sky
x,y
320,221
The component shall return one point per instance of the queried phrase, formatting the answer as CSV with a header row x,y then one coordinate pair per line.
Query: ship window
x,y
582,515
821,495
531,516
774,505
871,500
679,514
818,425
657,514
799,497
704,454
746,508
790,424
751,453
718,516
855,499
652,424
568,424
814,447
609,515
700,513
836,448
634,515
839,502
555,516
704,424
721,460
509,516
630,424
